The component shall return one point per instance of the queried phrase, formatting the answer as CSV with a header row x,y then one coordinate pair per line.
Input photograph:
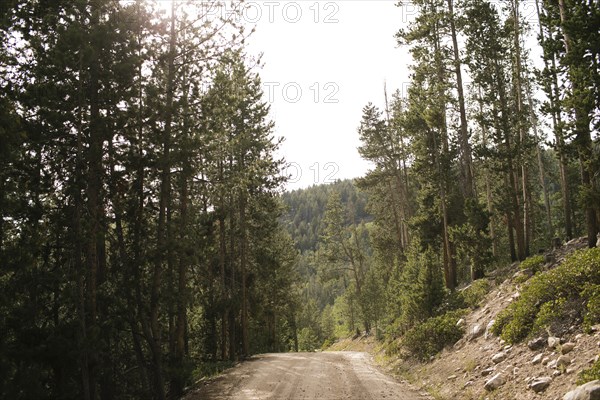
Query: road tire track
x,y
305,376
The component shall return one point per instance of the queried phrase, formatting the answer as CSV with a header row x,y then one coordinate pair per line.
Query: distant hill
x,y
306,208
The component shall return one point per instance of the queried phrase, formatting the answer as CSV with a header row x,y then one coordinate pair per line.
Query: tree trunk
x,y
527,208
162,229
94,198
243,271
582,131
465,153
449,261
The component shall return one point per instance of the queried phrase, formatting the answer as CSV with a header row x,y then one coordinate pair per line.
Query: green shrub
x,y
534,263
474,294
590,374
540,303
592,313
430,337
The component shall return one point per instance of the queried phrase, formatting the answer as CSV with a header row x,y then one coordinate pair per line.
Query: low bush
x,y
560,296
474,294
592,312
533,263
430,337
590,374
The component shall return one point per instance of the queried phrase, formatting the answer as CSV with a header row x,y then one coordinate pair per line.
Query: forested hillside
x,y
306,209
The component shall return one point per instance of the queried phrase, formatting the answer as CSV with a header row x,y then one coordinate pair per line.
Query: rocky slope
x,y
483,366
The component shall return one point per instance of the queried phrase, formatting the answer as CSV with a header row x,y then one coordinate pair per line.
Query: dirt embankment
x,y
462,371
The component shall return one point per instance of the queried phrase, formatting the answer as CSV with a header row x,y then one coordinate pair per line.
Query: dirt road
x,y
326,376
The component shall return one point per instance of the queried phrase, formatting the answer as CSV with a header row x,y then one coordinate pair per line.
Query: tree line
x,y
464,176
140,240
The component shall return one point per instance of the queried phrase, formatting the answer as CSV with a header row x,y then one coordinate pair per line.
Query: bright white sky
x,y
323,62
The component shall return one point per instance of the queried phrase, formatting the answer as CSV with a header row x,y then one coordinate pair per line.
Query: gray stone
x,y
461,322
487,371
536,344
553,342
563,361
589,391
567,348
498,358
545,360
476,332
537,359
488,329
540,384
494,382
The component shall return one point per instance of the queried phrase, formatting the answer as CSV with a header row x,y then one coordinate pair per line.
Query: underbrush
x,y
533,263
430,337
473,295
208,369
590,374
555,300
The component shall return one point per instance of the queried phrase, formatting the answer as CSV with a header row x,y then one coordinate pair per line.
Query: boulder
x,y
589,391
540,384
488,329
563,361
553,342
498,358
536,344
537,359
476,332
545,360
494,382
567,348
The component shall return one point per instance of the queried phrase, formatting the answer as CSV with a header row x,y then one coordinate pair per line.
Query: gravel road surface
x,y
322,376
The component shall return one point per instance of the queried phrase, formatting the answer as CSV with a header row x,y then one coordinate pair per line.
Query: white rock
x,y
563,361
498,358
589,391
545,360
567,348
488,329
537,359
540,384
494,382
476,332
553,342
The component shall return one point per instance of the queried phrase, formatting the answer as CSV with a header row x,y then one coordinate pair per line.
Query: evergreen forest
x,y
147,239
